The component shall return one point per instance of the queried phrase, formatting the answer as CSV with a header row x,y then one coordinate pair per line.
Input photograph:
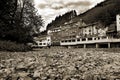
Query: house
x,y
42,41
92,35
78,33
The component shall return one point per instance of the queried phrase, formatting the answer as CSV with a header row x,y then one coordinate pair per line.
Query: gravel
x,y
61,64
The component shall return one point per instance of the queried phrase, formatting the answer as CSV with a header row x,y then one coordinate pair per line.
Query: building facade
x,y
118,22
79,33
42,41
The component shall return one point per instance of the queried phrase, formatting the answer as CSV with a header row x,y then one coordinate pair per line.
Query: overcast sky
x,y
49,9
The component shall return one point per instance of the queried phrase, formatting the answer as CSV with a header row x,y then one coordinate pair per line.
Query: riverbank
x,y
58,63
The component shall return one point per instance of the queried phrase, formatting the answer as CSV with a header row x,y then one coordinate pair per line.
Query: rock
x,y
23,74
21,67
36,73
62,64
24,78
8,71
88,76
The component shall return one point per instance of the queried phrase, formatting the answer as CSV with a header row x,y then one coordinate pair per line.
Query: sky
x,y
49,9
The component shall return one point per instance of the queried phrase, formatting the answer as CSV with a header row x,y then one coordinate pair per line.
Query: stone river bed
x,y
59,63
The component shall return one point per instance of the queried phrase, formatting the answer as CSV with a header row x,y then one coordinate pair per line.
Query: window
x,y
89,30
73,40
44,43
65,40
94,38
78,39
83,39
69,40
89,38
40,43
40,40
62,41
98,38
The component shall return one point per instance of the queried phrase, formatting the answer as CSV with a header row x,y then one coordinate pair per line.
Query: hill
x,y
105,12
61,19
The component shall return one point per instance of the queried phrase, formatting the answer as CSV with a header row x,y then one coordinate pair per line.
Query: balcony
x,y
91,40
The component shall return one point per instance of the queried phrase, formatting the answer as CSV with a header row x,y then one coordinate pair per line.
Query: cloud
x,y
42,6
49,9
57,6
60,4
79,3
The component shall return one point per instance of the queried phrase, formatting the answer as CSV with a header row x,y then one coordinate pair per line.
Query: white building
x,y
42,41
118,22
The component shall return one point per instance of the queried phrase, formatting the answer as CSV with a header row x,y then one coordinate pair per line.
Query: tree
x,y
7,12
29,20
61,19
24,23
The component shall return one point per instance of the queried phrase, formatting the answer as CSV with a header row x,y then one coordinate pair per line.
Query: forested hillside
x,y
61,19
19,23
104,12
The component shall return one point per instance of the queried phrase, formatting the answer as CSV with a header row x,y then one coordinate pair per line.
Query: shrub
x,y
13,46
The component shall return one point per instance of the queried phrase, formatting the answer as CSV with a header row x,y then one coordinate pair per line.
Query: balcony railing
x,y
91,40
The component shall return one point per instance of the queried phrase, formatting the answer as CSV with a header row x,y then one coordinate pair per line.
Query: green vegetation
x,y
61,19
19,21
13,47
104,12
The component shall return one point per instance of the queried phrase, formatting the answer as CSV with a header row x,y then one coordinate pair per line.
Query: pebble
x,y
62,64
